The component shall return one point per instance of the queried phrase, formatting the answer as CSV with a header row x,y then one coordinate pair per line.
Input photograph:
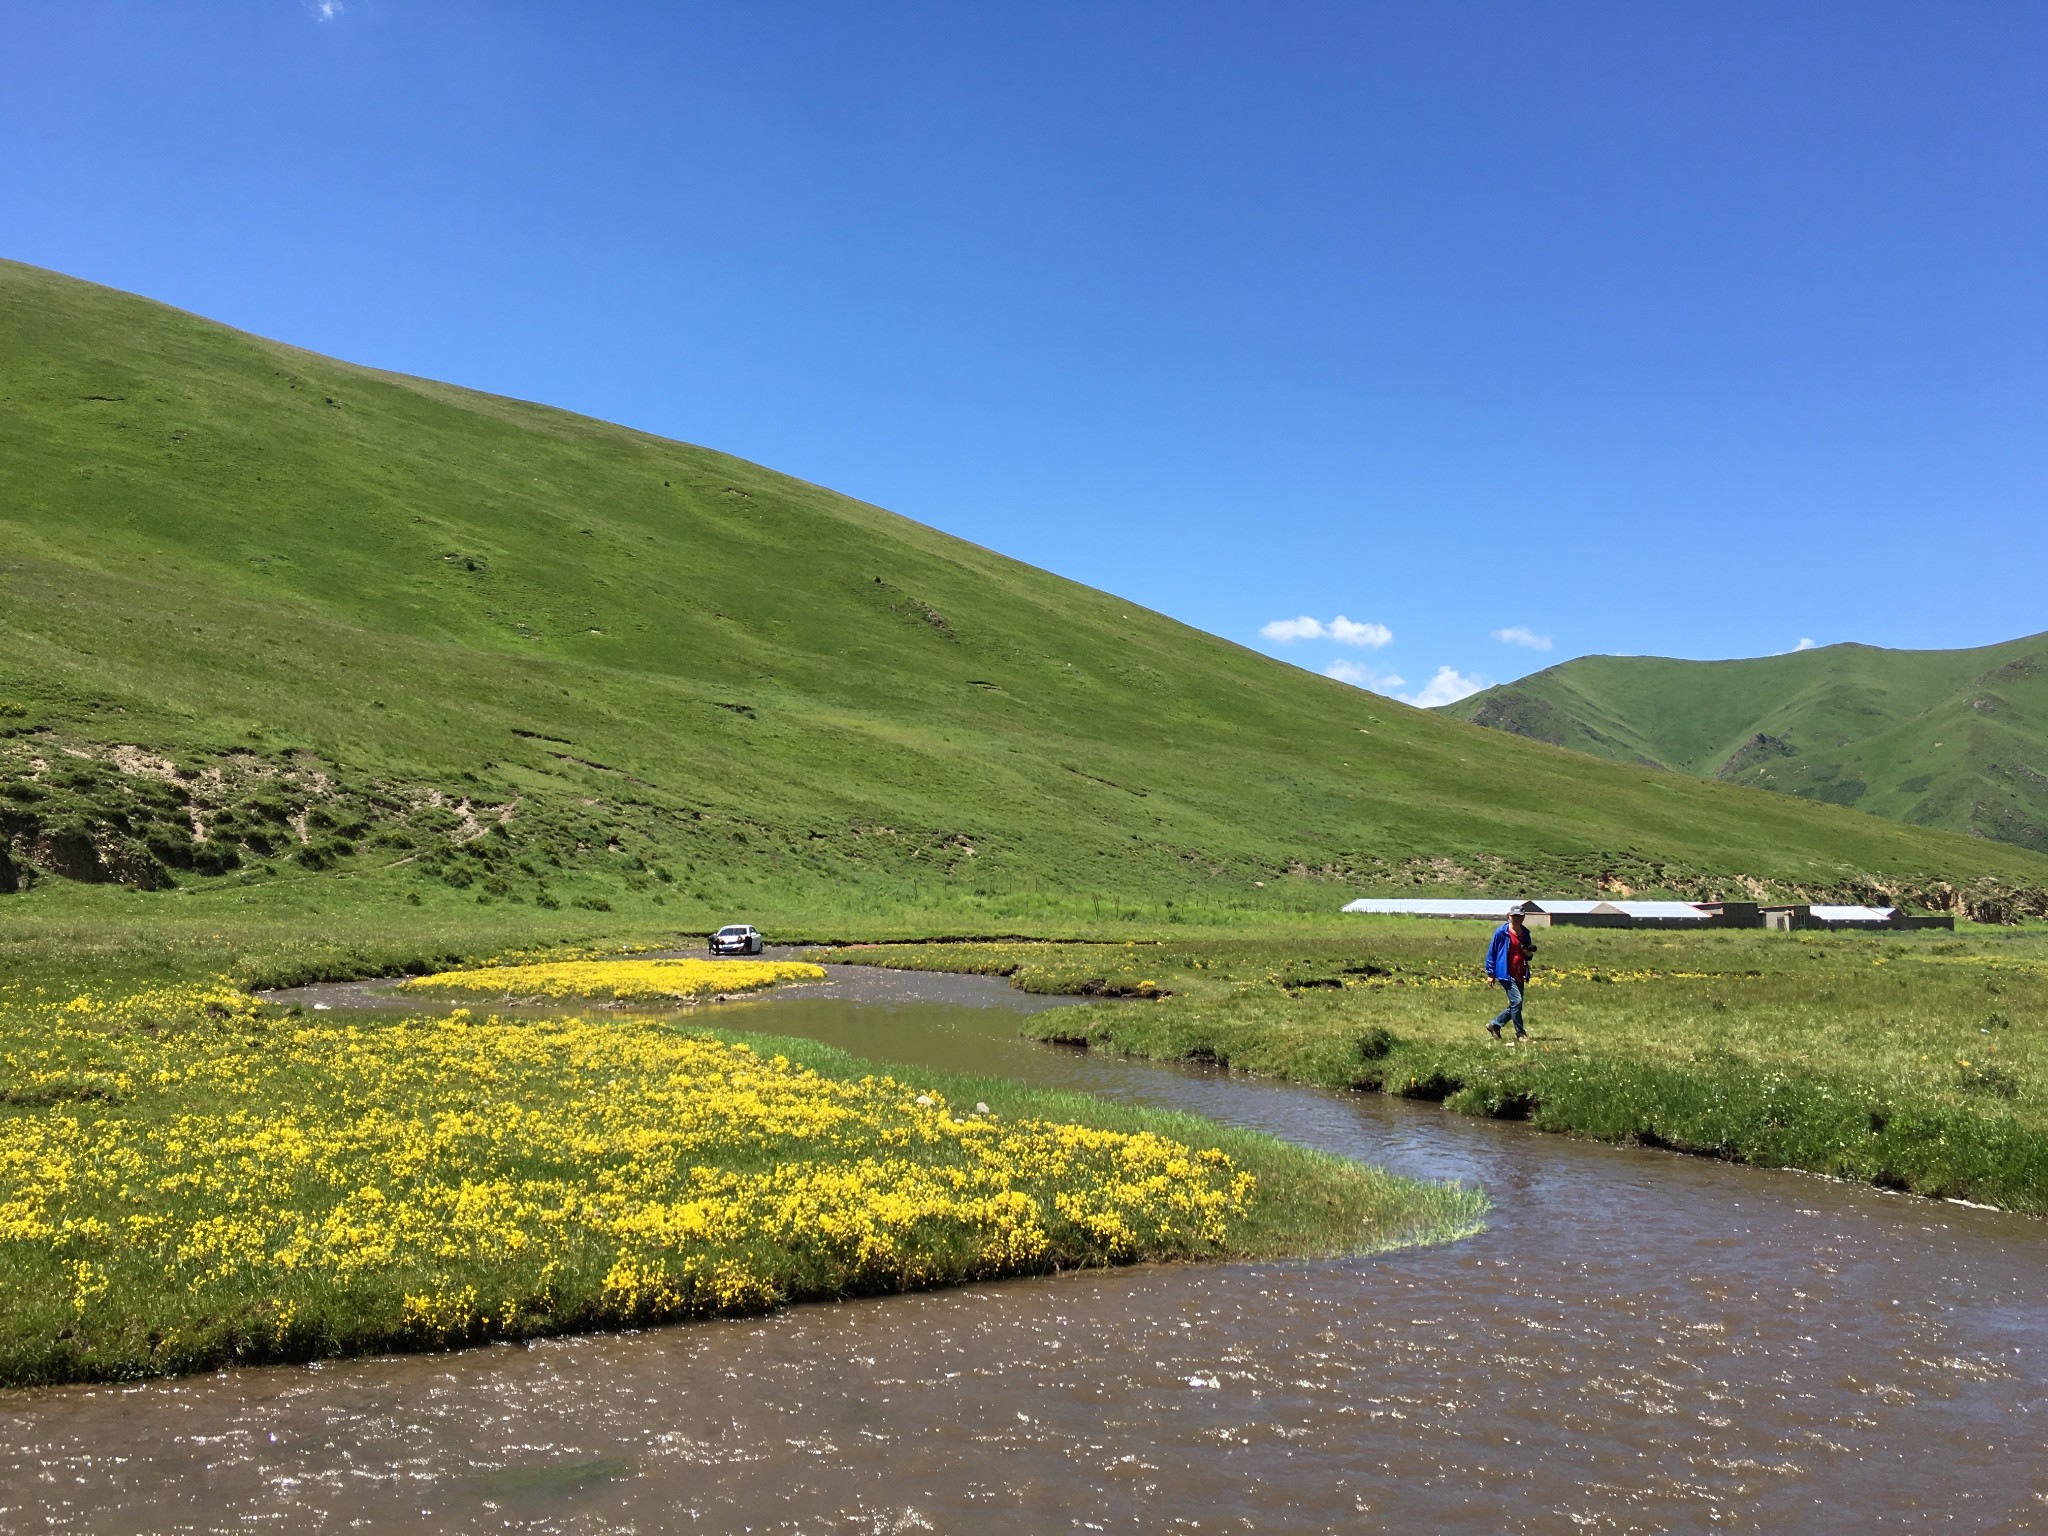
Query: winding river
x,y
1639,1342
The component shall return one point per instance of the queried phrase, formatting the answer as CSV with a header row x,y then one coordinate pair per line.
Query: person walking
x,y
1507,966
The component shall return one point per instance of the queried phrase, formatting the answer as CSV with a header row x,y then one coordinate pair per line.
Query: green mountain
x,y
268,617
1955,739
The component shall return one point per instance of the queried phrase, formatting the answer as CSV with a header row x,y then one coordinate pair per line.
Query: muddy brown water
x,y
1639,1342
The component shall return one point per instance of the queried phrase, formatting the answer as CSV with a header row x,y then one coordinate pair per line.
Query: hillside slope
x,y
1955,739
262,613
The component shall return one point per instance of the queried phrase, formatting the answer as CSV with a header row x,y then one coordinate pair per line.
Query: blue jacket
x,y
1497,952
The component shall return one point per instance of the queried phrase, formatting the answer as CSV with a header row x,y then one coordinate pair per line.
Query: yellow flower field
x,y
187,1177
639,981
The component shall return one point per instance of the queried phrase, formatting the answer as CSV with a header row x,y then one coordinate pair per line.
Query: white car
x,y
736,939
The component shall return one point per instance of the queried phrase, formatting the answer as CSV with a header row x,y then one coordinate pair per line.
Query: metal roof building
x,y
1591,913
1646,914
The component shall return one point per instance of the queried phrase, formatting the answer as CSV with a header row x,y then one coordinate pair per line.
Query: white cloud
x,y
1518,634
1368,634
1364,677
1447,687
1287,631
1340,629
1805,644
325,10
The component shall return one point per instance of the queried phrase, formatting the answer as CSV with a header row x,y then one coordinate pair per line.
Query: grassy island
x,y
189,1178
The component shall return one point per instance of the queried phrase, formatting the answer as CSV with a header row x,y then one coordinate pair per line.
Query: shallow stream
x,y
1640,1342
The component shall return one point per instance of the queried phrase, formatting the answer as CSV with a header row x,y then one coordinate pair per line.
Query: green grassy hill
x,y
269,619
1955,739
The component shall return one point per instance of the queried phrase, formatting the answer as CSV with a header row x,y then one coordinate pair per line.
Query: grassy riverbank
x,y
1912,1061
190,1179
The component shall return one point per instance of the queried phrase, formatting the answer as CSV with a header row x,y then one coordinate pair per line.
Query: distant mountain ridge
x,y
1953,739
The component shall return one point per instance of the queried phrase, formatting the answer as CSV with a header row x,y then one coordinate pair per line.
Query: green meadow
x,y
312,672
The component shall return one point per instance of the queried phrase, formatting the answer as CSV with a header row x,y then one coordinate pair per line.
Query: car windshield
x,y
732,932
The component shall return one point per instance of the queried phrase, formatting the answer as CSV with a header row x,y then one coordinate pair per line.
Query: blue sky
x,y
1430,342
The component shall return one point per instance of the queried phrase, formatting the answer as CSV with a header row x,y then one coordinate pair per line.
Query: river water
x,y
1639,1342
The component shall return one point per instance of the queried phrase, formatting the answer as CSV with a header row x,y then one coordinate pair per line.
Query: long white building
x,y
1646,914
